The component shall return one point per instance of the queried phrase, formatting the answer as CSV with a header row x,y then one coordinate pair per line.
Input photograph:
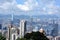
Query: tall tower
x,y
10,25
22,28
13,36
9,33
12,18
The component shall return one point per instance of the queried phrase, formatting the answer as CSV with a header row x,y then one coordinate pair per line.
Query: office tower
x,y
13,33
14,36
30,25
10,25
9,33
55,30
48,32
22,28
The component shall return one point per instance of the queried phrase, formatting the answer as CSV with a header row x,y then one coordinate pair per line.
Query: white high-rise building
x,y
22,28
8,37
14,36
13,33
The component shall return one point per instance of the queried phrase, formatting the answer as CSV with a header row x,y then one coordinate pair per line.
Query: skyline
x,y
30,7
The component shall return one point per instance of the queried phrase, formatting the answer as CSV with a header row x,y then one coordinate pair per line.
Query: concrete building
x,y
9,33
55,30
13,33
14,36
22,28
57,38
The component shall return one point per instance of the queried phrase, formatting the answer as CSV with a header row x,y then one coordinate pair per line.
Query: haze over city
x,y
29,19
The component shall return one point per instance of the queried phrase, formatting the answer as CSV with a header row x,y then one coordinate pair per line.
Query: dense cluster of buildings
x,y
12,32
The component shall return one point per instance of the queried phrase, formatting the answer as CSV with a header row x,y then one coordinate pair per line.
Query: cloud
x,y
23,7
28,5
31,7
49,7
7,6
53,9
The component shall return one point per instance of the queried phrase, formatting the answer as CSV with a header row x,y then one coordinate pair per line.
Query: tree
x,y
36,36
18,39
28,35
22,39
2,37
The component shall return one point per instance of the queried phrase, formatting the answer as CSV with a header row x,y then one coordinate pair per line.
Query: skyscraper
x,y
55,30
14,36
13,33
9,33
22,28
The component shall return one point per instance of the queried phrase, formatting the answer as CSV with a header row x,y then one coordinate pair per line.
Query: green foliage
x,y
22,39
18,38
34,36
2,37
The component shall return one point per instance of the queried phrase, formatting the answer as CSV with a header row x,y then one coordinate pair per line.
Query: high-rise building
x,y
0,26
57,38
13,33
55,30
22,28
9,33
14,36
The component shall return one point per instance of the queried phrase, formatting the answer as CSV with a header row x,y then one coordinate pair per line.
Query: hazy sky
x,y
30,7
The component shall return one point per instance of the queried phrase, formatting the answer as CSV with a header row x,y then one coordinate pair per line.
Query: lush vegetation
x,y
2,37
34,36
